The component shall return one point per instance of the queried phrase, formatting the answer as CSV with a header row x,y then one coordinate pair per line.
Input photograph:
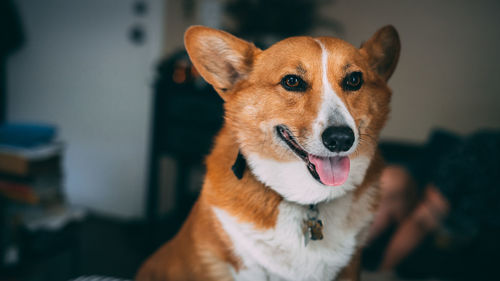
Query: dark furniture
x,y
186,116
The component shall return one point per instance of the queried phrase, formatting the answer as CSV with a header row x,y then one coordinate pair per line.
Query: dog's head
x,y
306,112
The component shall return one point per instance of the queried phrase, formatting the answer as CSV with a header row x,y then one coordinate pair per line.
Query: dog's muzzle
x,y
330,171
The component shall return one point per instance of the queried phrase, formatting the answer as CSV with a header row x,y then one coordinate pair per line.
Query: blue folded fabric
x,y
26,135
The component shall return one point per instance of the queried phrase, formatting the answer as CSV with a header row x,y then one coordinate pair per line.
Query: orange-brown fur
x,y
199,250
254,101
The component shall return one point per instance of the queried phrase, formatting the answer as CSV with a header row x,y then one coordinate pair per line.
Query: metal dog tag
x,y
313,227
313,230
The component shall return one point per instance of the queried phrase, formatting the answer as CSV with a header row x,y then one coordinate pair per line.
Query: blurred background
x,y
105,123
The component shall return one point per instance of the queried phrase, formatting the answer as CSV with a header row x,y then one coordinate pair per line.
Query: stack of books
x,y
32,175
31,186
30,164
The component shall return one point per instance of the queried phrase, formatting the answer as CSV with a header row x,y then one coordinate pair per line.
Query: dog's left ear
x,y
222,59
382,50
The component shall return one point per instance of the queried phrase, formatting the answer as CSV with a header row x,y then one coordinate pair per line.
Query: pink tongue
x,y
332,171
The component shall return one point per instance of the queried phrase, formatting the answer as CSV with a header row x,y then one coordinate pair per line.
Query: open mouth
x,y
330,171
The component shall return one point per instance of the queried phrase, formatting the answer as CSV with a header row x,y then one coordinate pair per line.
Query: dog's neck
x,y
312,226
249,198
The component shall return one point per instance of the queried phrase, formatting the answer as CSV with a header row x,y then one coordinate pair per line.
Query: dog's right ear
x,y
222,59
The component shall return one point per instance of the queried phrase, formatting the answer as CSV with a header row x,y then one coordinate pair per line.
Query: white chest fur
x,y
280,253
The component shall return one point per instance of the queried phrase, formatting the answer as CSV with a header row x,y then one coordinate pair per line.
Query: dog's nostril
x,y
338,139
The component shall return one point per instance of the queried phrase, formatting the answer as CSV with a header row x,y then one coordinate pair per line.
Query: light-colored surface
x,y
386,276
78,70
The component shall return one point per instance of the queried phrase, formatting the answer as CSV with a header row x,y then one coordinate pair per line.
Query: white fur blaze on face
x,y
332,112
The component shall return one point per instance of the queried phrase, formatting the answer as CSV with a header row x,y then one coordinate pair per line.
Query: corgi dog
x,y
291,183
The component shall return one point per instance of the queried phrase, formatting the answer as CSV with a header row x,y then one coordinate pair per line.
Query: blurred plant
x,y
257,19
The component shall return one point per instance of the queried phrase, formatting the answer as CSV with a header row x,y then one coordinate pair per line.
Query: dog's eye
x,y
353,81
293,83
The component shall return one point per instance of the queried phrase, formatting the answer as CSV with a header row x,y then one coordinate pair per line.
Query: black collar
x,y
239,166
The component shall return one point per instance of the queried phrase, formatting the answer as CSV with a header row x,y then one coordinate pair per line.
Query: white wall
x,y
449,72
79,71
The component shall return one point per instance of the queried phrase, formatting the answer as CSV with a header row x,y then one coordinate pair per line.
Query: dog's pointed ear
x,y
222,59
382,50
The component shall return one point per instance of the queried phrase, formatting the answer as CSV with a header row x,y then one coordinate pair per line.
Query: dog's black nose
x,y
338,139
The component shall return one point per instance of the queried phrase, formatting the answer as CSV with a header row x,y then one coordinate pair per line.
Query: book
x,y
32,175
25,161
18,192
